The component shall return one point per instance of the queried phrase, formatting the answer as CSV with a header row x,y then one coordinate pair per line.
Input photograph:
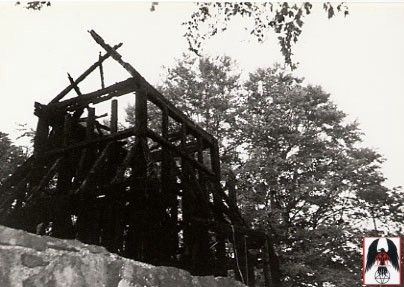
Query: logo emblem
x,y
381,264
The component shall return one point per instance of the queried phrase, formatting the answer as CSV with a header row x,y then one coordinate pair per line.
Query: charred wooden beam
x,y
100,127
112,137
152,94
90,123
117,89
141,111
190,149
94,169
41,136
178,151
114,116
74,85
46,178
101,71
84,75
96,117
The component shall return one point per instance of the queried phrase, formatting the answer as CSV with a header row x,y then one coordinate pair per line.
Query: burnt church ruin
x,y
151,192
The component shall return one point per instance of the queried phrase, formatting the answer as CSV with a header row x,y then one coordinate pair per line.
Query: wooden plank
x,y
114,116
83,76
141,111
41,136
117,89
152,94
74,85
101,71
113,137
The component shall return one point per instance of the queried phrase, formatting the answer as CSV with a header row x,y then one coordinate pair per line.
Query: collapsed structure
x,y
151,192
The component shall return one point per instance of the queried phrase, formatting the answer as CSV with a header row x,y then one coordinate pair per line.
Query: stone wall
x,y
28,260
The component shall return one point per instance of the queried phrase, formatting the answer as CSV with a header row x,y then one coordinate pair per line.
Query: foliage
x,y
34,5
284,18
11,156
302,173
305,178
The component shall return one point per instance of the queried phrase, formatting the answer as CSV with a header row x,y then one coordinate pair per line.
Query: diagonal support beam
x,y
84,75
115,90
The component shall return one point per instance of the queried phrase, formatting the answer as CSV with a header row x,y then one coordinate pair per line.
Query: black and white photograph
x,y
201,144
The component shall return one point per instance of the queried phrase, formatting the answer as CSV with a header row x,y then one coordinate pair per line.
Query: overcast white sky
x,y
358,59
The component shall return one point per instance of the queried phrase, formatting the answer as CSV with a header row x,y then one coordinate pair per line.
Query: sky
x,y
358,59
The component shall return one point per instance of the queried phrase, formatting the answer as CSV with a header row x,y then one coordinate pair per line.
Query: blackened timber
x,y
90,123
118,89
152,94
114,116
178,151
101,71
102,127
188,207
218,192
120,172
41,136
141,111
169,188
47,177
112,137
158,154
96,117
94,169
84,75
75,87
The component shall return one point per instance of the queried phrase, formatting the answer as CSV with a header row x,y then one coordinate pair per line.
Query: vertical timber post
x,y
87,228
169,191
221,269
41,136
137,234
114,116
62,225
186,204
265,261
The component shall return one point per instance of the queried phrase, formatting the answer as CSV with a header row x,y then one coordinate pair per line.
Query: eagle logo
x,y
383,259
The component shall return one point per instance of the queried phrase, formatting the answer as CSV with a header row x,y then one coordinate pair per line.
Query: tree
x,y
307,180
11,156
34,5
285,19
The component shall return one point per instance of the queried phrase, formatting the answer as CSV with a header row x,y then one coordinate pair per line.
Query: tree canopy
x,y
284,18
11,156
